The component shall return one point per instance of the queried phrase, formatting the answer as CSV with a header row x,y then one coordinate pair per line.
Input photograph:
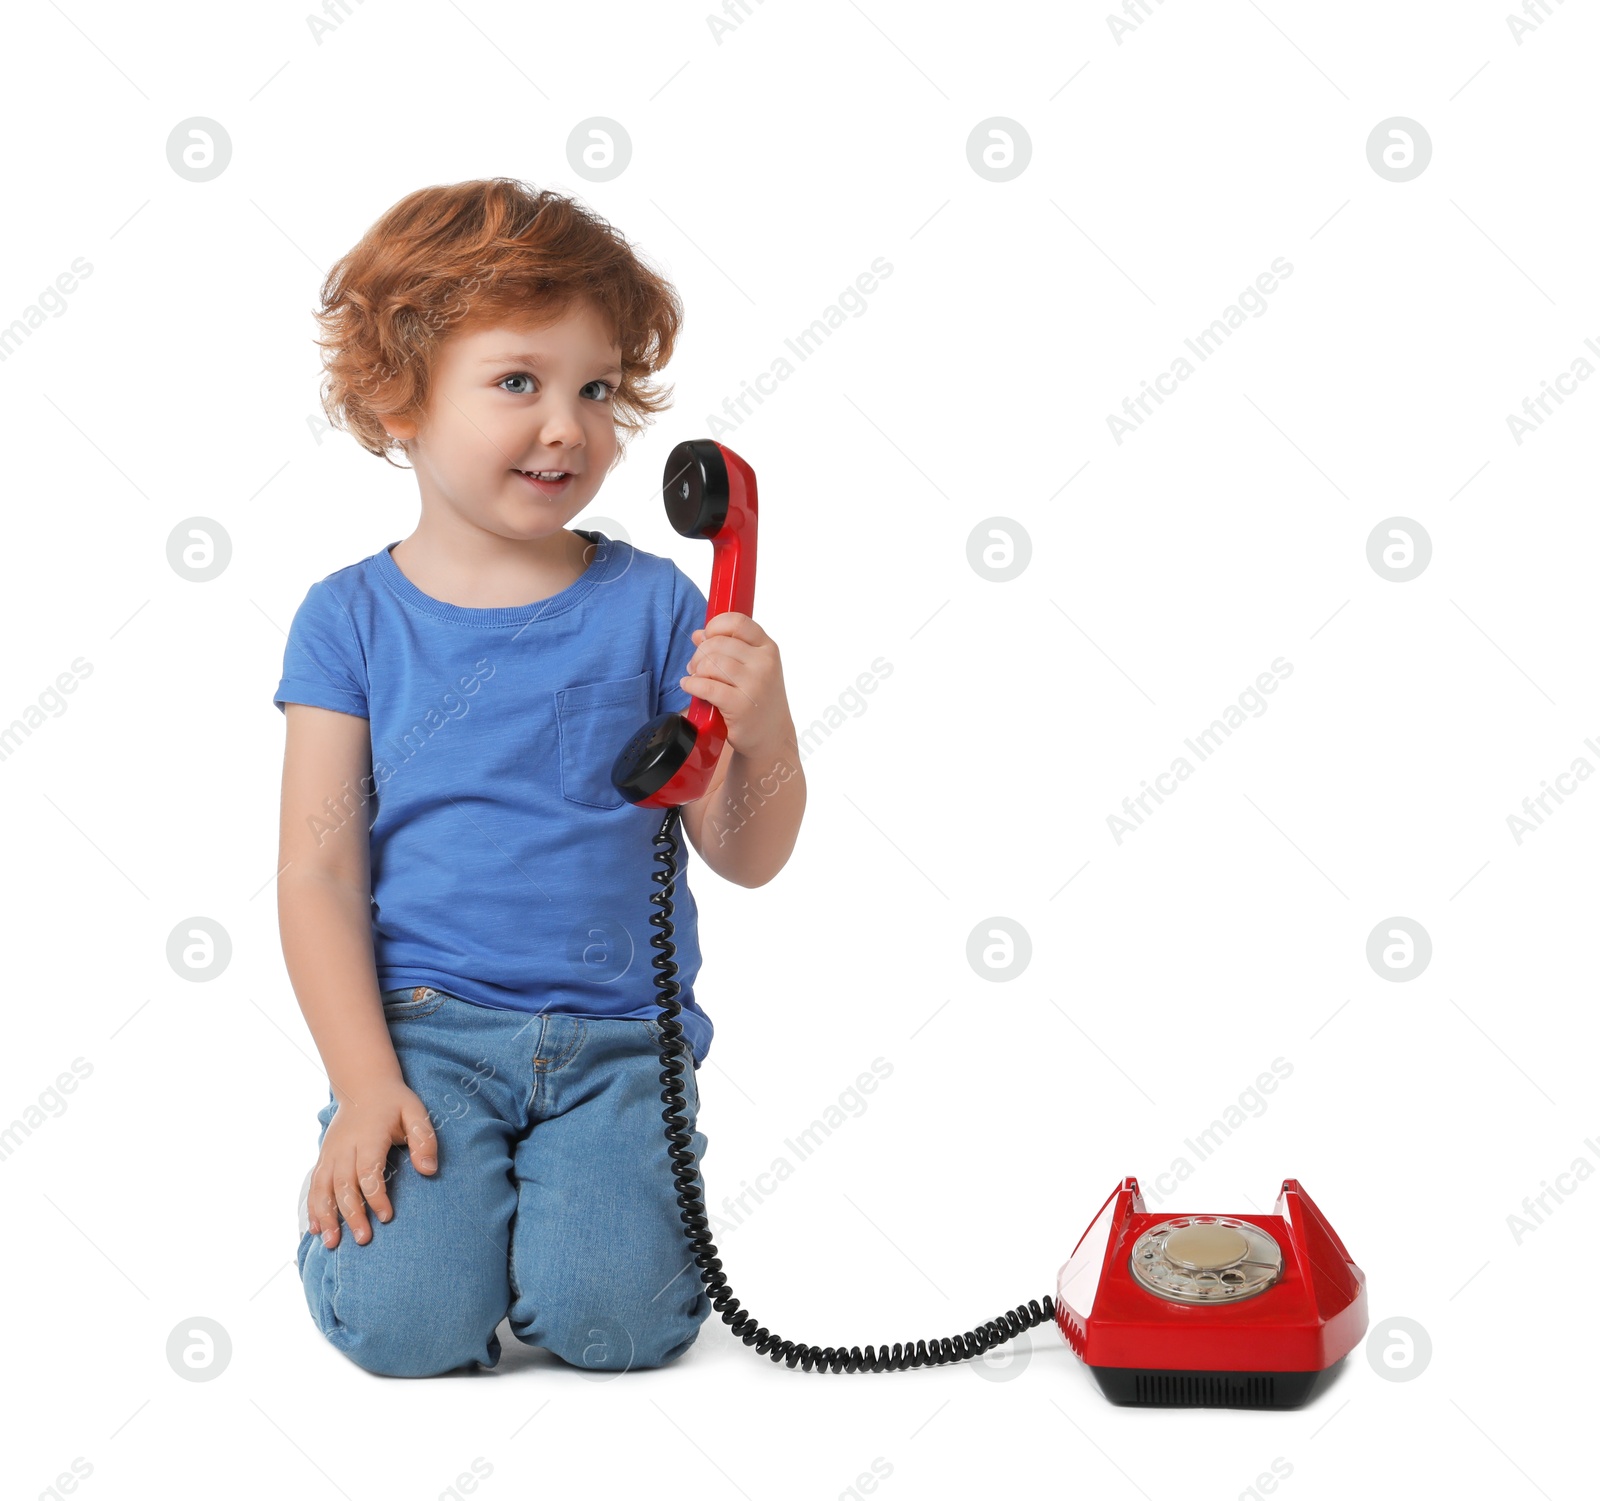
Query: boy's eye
x,y
607,391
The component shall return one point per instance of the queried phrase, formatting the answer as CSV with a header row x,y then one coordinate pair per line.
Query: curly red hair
x,y
451,258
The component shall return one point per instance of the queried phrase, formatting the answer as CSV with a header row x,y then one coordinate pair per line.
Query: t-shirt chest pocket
x,y
595,720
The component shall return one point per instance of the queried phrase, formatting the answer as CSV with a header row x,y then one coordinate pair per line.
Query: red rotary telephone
x,y
1213,1310
1166,1310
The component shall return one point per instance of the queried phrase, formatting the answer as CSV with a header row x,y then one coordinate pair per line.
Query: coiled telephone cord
x,y
691,1205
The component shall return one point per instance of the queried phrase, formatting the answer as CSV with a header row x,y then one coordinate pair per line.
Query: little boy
x,y
464,899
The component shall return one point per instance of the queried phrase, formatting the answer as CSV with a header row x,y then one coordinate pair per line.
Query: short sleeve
x,y
323,663
688,616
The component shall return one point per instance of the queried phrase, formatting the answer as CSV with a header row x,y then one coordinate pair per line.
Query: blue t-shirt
x,y
506,869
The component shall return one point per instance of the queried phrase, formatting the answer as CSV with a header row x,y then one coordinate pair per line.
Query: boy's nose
x,y
558,424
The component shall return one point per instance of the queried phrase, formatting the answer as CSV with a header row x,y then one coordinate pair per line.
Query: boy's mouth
x,y
546,481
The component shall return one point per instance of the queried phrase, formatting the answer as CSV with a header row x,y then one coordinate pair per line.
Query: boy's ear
x,y
399,428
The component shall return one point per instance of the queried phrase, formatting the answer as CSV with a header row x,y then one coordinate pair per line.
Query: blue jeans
x,y
553,1204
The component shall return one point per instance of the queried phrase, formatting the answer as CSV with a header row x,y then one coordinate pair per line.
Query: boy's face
x,y
513,397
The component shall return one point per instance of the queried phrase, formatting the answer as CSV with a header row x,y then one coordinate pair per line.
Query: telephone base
x,y
1210,1310
1129,1386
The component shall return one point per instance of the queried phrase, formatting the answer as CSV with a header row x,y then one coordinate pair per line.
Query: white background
x,y
1167,171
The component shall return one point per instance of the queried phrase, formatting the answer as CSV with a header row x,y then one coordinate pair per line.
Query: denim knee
x,y
629,1341
414,1328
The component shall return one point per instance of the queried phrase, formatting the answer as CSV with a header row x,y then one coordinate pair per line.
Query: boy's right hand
x,y
352,1165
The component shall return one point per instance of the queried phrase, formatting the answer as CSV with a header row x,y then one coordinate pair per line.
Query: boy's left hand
x,y
736,669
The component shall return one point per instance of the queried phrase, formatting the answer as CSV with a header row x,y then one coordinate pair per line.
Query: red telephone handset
x,y
710,492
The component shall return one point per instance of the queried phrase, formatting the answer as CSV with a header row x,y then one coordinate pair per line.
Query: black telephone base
x,y
1130,1387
